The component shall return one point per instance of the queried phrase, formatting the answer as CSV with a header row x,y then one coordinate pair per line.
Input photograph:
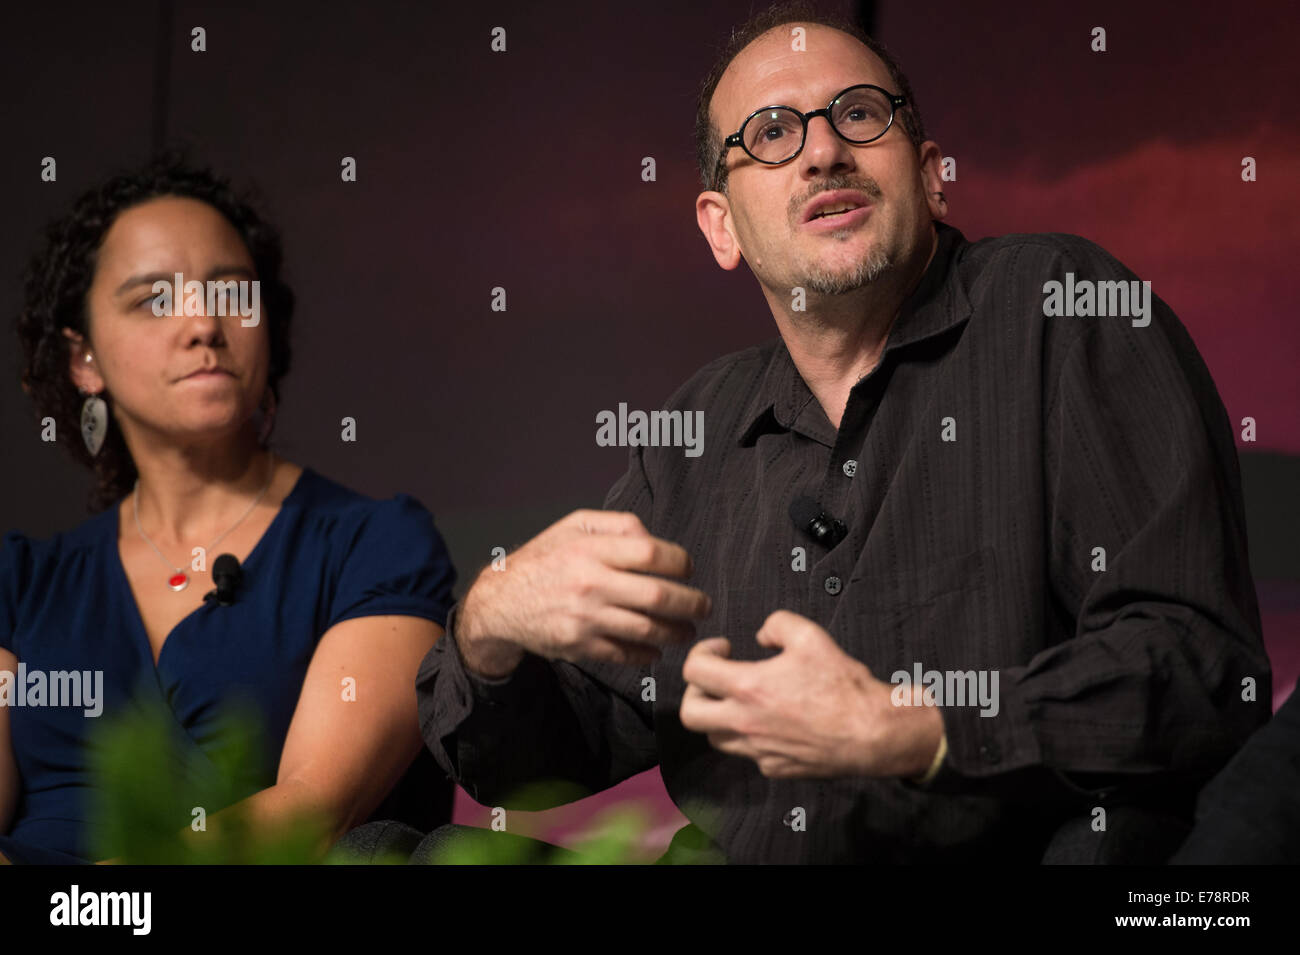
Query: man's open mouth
x,y
835,210
830,204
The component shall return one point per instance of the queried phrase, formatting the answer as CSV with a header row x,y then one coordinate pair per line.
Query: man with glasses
x,y
950,573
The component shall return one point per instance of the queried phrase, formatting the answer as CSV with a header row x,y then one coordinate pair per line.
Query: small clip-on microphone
x,y
811,518
226,574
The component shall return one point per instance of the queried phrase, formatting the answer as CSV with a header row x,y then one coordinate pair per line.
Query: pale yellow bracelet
x,y
938,761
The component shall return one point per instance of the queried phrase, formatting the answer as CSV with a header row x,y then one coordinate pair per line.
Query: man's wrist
x,y
918,735
484,656
935,765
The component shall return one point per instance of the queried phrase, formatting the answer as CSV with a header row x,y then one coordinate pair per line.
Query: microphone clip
x,y
223,596
811,518
827,530
226,574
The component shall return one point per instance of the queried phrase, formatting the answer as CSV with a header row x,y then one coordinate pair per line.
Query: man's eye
x,y
147,302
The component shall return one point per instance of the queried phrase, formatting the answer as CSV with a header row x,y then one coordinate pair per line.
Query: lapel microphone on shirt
x,y
226,574
811,518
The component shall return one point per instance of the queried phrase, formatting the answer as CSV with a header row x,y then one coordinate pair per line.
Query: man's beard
x,y
827,282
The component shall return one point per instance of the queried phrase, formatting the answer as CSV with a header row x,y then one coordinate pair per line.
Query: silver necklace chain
x,y
135,506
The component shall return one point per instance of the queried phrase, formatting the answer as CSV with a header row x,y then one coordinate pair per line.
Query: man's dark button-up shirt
x,y
1054,501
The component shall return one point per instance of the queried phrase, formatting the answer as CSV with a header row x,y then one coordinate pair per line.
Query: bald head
x,y
774,37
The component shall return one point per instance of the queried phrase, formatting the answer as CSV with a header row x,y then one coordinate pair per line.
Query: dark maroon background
x,y
522,169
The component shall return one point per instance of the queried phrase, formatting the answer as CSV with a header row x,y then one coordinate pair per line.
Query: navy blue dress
x,y
330,554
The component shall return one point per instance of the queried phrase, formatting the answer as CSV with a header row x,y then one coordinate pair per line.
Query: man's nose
x,y
824,150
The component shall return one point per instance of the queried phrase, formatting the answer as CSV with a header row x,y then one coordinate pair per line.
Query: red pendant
x,y
178,582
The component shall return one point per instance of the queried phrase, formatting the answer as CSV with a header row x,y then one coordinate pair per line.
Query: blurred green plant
x,y
616,838
149,778
155,792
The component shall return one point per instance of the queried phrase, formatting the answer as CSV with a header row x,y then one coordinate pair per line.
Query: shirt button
x,y
850,467
832,585
990,752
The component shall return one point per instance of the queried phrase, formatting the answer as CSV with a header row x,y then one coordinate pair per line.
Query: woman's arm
x,y
9,788
346,750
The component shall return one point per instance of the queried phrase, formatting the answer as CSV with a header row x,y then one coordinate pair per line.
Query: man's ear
x,y
931,158
713,213
81,364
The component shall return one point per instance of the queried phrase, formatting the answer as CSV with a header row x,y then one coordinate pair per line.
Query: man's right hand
x,y
579,590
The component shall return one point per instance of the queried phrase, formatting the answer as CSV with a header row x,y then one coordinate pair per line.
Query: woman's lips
x,y
206,375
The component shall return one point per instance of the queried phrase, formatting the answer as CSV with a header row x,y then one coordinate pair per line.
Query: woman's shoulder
x,y
22,552
328,496
384,555
345,513
29,564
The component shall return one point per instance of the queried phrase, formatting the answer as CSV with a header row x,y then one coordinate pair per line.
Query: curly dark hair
x,y
708,140
59,275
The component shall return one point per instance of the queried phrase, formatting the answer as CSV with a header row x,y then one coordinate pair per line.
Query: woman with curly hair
x,y
334,599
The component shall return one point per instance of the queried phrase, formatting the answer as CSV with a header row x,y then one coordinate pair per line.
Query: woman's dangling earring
x,y
266,412
94,420
94,423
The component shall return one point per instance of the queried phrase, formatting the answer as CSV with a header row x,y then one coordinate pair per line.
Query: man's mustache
x,y
869,187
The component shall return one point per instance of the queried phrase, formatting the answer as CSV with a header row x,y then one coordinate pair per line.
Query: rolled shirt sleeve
x,y
579,729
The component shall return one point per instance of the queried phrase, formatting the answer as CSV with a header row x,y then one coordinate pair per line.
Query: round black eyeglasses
x,y
776,134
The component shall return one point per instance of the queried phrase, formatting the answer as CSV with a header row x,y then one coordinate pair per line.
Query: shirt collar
x,y
938,303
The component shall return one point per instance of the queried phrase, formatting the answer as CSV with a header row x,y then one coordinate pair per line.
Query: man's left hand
x,y
811,711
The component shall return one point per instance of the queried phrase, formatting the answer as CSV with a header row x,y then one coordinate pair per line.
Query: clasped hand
x,y
598,586
811,711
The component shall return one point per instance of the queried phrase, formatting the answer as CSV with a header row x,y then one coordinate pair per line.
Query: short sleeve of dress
x,y
15,560
395,562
